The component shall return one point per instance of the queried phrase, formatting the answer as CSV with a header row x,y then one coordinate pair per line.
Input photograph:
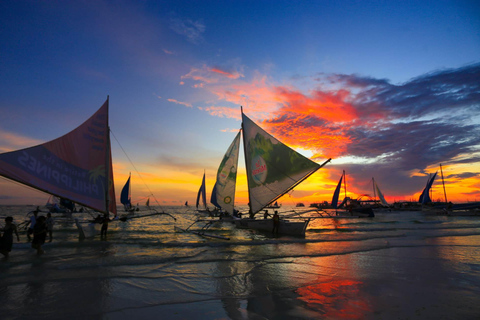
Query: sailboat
x,y
446,208
273,169
76,166
274,206
425,195
202,198
125,197
223,193
350,207
381,197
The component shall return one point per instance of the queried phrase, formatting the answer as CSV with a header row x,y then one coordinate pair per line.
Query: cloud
x,y
395,132
190,29
12,141
186,104
222,112
212,75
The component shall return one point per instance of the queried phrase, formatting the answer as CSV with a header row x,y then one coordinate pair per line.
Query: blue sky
x,y
178,71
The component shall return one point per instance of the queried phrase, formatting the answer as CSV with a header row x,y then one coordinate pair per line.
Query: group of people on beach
x,y
38,227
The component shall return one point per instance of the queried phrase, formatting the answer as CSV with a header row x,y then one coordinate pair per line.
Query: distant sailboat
x,y
380,194
425,196
76,166
125,197
274,206
202,196
336,193
446,208
350,207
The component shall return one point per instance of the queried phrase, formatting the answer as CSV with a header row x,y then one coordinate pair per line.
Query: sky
x,y
388,89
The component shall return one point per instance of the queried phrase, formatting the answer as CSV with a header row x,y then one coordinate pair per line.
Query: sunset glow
x,y
383,102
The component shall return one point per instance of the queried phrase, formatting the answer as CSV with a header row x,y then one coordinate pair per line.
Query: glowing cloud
x,y
394,131
186,104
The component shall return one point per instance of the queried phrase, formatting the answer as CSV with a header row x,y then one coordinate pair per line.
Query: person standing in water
x,y
33,220
49,222
276,222
106,220
6,240
39,235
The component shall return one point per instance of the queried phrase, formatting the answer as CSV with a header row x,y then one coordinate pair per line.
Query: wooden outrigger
x,y
201,232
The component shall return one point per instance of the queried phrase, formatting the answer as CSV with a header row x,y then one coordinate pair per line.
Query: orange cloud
x,y
231,75
12,141
186,104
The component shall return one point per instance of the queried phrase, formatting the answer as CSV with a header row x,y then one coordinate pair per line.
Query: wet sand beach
x,y
394,266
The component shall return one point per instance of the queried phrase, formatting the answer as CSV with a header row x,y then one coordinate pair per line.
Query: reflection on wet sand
x,y
336,299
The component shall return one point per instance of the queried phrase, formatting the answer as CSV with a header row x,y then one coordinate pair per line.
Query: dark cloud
x,y
400,130
442,91
464,175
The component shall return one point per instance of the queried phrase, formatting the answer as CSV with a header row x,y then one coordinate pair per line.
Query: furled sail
x,y
425,196
125,197
273,169
76,166
337,192
223,194
202,194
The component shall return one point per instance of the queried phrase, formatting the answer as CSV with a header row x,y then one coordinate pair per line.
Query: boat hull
x,y
266,225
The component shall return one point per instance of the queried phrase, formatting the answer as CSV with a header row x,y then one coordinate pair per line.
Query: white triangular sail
x,y
223,194
76,166
273,169
380,196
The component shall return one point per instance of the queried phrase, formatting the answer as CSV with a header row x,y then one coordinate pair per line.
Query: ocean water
x,y
398,265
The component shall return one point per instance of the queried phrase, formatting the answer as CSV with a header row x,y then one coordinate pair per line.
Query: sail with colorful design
x,y
223,194
76,166
273,169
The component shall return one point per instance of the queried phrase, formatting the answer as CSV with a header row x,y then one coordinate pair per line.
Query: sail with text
x,y
223,194
202,194
76,166
125,197
425,196
273,168
337,192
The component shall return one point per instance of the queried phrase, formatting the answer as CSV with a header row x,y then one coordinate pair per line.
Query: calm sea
x,y
401,265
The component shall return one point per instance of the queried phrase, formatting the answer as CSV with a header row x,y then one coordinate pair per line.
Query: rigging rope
x,y
138,173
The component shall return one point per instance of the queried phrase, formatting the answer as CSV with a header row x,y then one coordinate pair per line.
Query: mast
x,y
247,165
107,165
374,193
345,183
443,182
